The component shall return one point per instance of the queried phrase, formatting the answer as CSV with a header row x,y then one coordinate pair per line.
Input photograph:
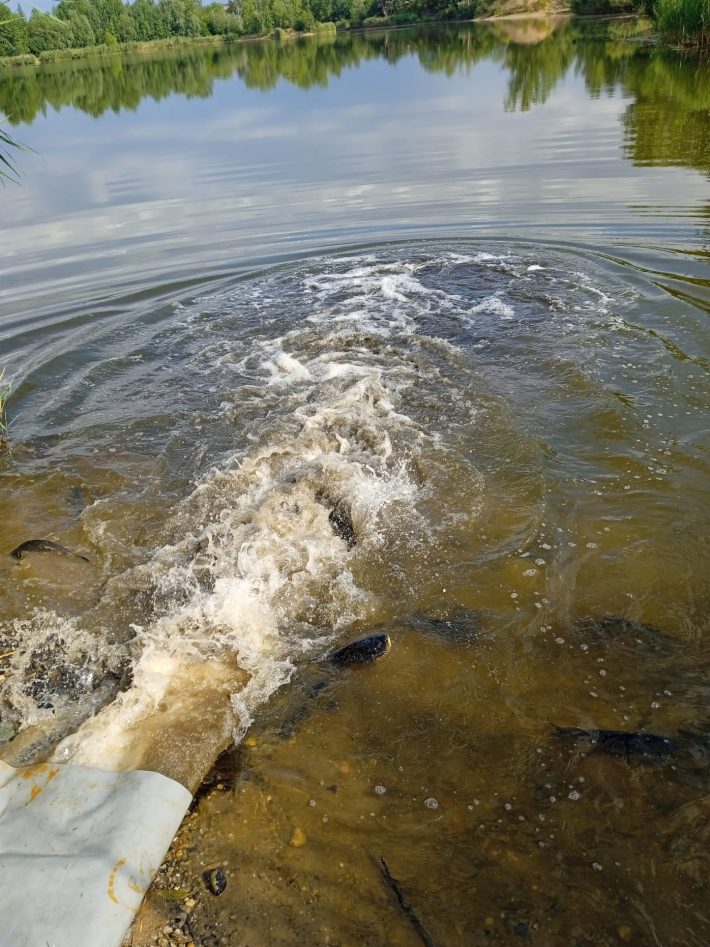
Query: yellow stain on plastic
x,y
134,887
112,880
38,772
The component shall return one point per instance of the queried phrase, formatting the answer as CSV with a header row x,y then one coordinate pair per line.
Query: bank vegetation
x,y
680,22
77,28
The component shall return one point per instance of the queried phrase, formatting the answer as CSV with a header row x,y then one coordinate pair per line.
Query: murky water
x,y
452,285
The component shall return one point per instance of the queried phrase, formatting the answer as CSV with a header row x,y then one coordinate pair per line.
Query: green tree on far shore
x,y
13,31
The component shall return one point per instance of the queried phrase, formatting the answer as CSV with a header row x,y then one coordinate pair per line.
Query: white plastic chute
x,y
79,848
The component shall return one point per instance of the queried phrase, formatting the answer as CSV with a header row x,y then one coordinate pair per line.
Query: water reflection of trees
x,y
668,121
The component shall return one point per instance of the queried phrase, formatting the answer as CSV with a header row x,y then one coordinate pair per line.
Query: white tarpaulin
x,y
78,849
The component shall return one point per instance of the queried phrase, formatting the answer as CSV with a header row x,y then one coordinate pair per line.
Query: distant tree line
x,y
76,24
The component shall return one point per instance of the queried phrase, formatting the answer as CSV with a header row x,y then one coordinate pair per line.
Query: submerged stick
x,y
405,906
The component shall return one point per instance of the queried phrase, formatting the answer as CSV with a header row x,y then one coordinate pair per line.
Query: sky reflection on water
x,y
266,150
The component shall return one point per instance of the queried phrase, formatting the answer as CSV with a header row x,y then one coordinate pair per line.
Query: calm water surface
x,y
451,283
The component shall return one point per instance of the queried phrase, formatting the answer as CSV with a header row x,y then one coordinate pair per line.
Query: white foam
x,y
285,369
333,369
495,306
382,299
484,257
279,576
66,661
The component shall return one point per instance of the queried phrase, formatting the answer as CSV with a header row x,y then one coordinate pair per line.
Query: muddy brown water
x,y
453,282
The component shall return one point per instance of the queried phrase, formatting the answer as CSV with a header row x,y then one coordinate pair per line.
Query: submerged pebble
x,y
298,838
216,881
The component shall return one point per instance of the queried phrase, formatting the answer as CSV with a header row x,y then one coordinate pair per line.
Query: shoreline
x,y
146,48
118,49
536,15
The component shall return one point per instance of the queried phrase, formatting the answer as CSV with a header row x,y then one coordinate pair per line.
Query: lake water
x,y
448,285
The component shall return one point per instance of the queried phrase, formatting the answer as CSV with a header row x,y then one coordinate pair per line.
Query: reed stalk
x,y
7,168
5,392
684,21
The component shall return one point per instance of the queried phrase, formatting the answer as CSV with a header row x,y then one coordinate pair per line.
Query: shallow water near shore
x,y
451,284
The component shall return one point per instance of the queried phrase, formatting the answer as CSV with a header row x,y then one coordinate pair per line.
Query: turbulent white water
x,y
348,385
261,573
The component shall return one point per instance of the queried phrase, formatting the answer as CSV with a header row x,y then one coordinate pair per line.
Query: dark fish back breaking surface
x,y
361,651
